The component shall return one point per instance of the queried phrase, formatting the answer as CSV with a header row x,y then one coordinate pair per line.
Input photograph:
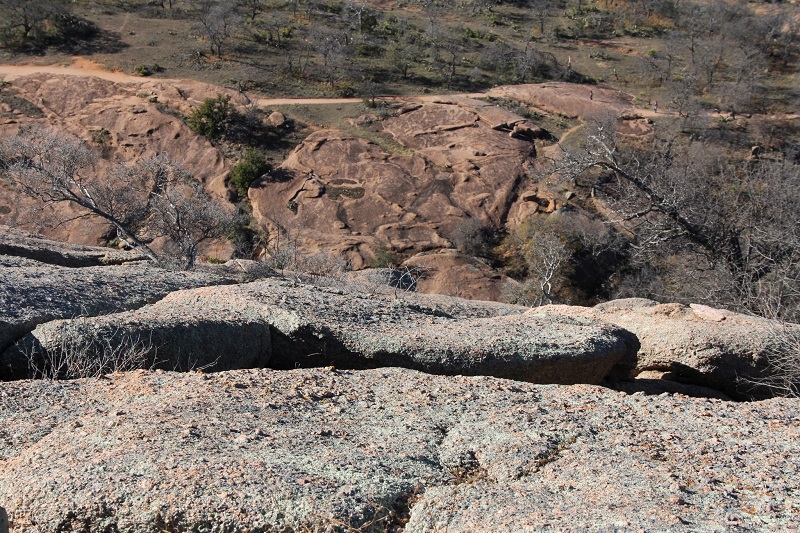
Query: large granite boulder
x,y
285,324
694,343
328,450
32,293
15,242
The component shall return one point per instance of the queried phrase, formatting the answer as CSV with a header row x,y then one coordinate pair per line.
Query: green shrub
x,y
211,119
100,136
252,166
142,70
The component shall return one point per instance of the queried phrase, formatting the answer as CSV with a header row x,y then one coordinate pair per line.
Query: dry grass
x,y
782,376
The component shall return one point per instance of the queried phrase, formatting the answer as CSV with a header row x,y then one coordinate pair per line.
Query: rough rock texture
x,y
136,125
32,293
456,274
568,98
313,326
15,242
435,165
295,450
695,343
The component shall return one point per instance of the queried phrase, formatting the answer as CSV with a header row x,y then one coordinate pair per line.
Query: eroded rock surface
x,y
262,450
306,325
430,168
568,99
695,343
32,293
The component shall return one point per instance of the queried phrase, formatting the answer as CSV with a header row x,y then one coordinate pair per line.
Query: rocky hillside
x,y
418,413
124,119
402,181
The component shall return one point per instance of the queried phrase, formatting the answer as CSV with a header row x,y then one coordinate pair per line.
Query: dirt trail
x,y
86,67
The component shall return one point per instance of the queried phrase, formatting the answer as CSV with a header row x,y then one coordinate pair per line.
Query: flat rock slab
x,y
698,344
314,326
258,450
32,293
15,242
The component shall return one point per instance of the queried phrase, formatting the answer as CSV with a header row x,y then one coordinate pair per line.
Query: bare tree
x,y
253,8
546,257
685,198
335,52
152,198
219,21
179,208
28,16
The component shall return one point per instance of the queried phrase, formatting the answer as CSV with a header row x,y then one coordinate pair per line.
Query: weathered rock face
x,y
695,343
568,98
286,325
449,272
129,121
308,449
443,163
15,242
32,293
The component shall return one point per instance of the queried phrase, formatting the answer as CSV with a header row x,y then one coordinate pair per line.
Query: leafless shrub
x,y
404,279
473,237
324,267
782,376
320,268
78,358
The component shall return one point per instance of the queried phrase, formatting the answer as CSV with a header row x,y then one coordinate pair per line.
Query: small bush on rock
x,y
212,117
783,364
252,166
75,358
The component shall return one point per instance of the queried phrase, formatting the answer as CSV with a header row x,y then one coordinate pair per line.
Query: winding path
x,y
82,66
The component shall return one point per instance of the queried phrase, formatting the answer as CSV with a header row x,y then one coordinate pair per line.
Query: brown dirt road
x,y
86,67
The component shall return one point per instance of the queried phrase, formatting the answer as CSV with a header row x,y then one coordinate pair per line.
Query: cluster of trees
x,y
676,218
723,55
706,224
353,44
40,22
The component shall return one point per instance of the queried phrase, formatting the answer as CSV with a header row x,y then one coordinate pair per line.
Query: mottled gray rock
x,y
32,293
697,344
19,243
319,326
321,450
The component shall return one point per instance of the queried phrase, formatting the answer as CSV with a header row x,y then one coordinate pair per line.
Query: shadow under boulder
x,y
283,325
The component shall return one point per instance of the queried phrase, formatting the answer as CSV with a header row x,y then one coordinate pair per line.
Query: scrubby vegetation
x,y
700,211
213,117
252,166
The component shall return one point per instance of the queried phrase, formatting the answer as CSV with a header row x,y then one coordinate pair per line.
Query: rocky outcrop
x,y
404,182
696,344
20,243
452,273
285,325
33,293
378,449
569,99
